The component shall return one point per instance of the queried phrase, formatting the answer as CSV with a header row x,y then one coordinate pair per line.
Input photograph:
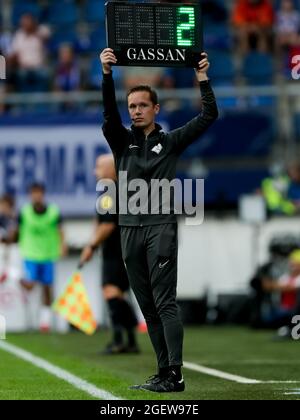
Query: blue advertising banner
x,y
61,154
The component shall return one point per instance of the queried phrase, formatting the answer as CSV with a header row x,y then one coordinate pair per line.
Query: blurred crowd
x,y
46,52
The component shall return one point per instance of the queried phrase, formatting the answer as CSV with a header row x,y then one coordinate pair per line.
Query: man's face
x,y
37,197
141,109
27,23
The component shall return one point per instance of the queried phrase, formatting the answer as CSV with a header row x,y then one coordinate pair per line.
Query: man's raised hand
x,y
203,66
107,58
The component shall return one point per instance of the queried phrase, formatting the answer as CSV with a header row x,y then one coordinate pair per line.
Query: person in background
x,y
253,19
115,281
7,228
281,191
42,243
288,287
293,193
67,77
28,55
287,26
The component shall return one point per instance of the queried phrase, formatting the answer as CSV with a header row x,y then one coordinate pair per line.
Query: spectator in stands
x,y
5,48
7,228
287,26
253,20
67,77
28,55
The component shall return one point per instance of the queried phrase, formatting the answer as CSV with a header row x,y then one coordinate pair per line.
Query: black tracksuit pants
x,y
150,255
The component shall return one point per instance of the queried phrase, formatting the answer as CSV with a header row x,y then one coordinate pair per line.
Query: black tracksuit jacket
x,y
134,153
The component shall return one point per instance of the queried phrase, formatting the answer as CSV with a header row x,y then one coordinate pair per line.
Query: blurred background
x,y
50,131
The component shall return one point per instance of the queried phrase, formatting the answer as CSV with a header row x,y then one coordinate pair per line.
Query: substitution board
x,y
155,34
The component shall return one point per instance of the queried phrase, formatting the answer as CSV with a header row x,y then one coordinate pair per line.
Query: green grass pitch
x,y
237,351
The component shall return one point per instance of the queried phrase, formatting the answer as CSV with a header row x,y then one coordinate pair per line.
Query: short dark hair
x,y
37,186
145,88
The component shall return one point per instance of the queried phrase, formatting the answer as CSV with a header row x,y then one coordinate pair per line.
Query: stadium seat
x,y
224,186
95,72
63,13
63,36
20,9
237,134
98,39
222,71
217,36
229,185
95,11
258,69
297,126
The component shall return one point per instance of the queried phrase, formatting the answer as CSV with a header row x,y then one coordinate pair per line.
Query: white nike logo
x,y
163,265
157,149
133,146
180,382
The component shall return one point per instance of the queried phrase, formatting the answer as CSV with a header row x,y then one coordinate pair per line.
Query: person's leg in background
x,y
47,275
122,318
37,273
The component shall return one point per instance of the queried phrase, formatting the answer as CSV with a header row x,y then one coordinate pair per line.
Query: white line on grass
x,y
58,372
229,377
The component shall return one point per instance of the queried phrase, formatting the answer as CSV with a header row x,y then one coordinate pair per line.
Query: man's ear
x,y
157,109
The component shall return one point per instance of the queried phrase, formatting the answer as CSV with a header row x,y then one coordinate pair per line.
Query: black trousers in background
x,y
150,255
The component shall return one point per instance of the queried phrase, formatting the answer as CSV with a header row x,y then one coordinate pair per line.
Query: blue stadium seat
x,y
237,134
98,39
20,9
222,71
95,11
229,185
258,69
217,36
66,35
63,13
95,75
225,186
297,126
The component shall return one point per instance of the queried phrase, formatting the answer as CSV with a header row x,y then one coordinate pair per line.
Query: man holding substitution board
x,y
149,240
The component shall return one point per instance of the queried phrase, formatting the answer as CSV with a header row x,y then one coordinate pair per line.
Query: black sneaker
x,y
167,384
112,349
132,349
153,380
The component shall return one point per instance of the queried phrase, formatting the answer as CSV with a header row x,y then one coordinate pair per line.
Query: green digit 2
x,y
190,11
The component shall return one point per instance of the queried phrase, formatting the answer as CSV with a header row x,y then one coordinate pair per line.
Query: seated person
x,y
253,19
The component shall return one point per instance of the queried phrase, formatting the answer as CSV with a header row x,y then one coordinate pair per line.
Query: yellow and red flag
x,y
74,306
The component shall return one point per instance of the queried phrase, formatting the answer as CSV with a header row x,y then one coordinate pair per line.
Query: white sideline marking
x,y
219,373
58,372
228,376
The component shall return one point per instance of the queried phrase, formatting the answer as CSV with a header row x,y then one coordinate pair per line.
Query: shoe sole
x,y
162,392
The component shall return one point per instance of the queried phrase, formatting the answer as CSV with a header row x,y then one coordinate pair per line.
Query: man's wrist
x,y
105,71
203,78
